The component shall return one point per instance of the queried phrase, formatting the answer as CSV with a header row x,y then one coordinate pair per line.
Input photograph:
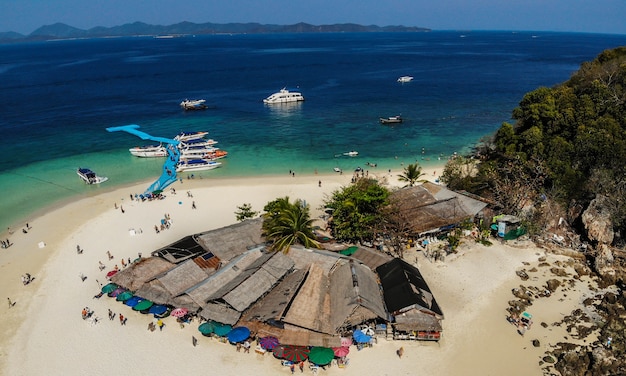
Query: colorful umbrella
x,y
109,288
179,312
222,329
124,296
111,273
291,353
238,334
133,301
361,337
321,355
341,351
157,309
116,292
346,341
268,343
206,328
144,304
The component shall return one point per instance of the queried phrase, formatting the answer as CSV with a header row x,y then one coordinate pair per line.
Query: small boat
x,y
352,153
90,177
404,79
196,142
284,96
193,104
149,151
195,152
391,120
196,165
187,136
217,154
336,169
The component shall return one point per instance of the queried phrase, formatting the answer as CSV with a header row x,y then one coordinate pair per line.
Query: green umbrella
x,y
222,329
321,355
144,304
124,296
206,328
109,288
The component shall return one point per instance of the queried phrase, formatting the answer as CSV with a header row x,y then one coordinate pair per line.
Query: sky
x,y
598,16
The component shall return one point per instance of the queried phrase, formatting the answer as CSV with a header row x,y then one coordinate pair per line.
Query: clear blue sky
x,y
599,16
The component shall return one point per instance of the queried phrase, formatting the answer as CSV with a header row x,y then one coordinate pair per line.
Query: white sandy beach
x,y
44,334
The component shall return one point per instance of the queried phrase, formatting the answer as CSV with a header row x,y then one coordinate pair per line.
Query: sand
x,y
43,333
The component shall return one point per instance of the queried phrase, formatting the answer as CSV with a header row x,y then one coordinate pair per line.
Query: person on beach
x,y
109,255
160,324
11,304
101,266
246,347
193,204
194,341
400,352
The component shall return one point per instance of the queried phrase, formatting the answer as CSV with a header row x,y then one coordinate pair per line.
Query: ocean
x,y
57,98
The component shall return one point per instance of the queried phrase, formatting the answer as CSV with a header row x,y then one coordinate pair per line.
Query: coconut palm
x,y
286,224
412,174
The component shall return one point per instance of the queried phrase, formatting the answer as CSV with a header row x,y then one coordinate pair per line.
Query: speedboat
x,y
149,151
284,96
90,177
193,104
404,79
186,136
194,152
196,165
352,153
196,142
391,120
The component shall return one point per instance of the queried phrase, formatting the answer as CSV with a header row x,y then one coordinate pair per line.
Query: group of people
x,y
26,279
6,243
87,313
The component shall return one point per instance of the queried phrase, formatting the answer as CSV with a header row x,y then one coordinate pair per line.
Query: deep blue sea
x,y
57,98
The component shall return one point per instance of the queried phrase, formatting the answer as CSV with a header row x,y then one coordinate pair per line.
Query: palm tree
x,y
412,173
286,224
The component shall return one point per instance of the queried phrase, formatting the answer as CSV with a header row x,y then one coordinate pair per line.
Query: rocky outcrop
x,y
597,221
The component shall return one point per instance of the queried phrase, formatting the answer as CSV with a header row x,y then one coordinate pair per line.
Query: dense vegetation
x,y
286,223
567,146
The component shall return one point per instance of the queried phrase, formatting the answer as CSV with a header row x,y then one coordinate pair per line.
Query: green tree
x,y
357,213
286,223
244,212
411,174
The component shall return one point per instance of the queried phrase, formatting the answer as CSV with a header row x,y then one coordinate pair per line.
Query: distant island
x,y
63,31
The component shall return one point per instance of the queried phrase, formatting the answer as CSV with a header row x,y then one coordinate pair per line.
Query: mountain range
x,y
63,31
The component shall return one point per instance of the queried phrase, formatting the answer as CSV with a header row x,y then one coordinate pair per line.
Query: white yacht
x,y
404,79
90,177
284,96
196,165
149,151
193,104
187,136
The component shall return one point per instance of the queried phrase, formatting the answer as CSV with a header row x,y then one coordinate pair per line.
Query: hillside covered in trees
x,y
564,156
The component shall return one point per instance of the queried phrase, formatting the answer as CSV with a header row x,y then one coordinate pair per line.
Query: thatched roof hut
x,y
310,308
220,313
428,207
408,297
184,276
181,250
371,257
355,296
140,272
231,241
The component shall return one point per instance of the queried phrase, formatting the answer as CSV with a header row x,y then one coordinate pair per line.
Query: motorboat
x,y
149,151
217,154
391,120
284,96
90,177
404,79
193,104
352,153
196,142
336,169
196,165
187,136
194,152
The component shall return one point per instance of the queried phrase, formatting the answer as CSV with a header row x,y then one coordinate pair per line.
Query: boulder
x,y
597,221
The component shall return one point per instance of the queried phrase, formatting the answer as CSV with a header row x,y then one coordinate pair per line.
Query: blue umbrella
x,y
361,337
157,309
133,301
238,334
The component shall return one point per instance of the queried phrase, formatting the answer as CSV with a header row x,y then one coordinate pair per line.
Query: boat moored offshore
x,y
90,177
284,96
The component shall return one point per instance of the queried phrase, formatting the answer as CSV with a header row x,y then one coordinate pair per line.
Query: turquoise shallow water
x,y
465,86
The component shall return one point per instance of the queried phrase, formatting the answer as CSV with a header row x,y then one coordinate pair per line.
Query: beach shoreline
x,y
48,309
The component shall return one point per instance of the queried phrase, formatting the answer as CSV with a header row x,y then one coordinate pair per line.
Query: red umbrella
x,y
292,353
341,351
268,343
346,341
111,273
179,312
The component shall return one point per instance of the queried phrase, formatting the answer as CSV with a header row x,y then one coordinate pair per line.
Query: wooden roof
x,y
185,275
371,257
231,241
310,308
220,313
139,272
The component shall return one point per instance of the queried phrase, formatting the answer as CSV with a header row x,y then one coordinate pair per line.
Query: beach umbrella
x,y
238,334
109,288
206,328
111,273
179,312
133,301
341,351
291,353
116,292
268,343
124,296
222,329
321,355
346,342
157,309
144,304
361,337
